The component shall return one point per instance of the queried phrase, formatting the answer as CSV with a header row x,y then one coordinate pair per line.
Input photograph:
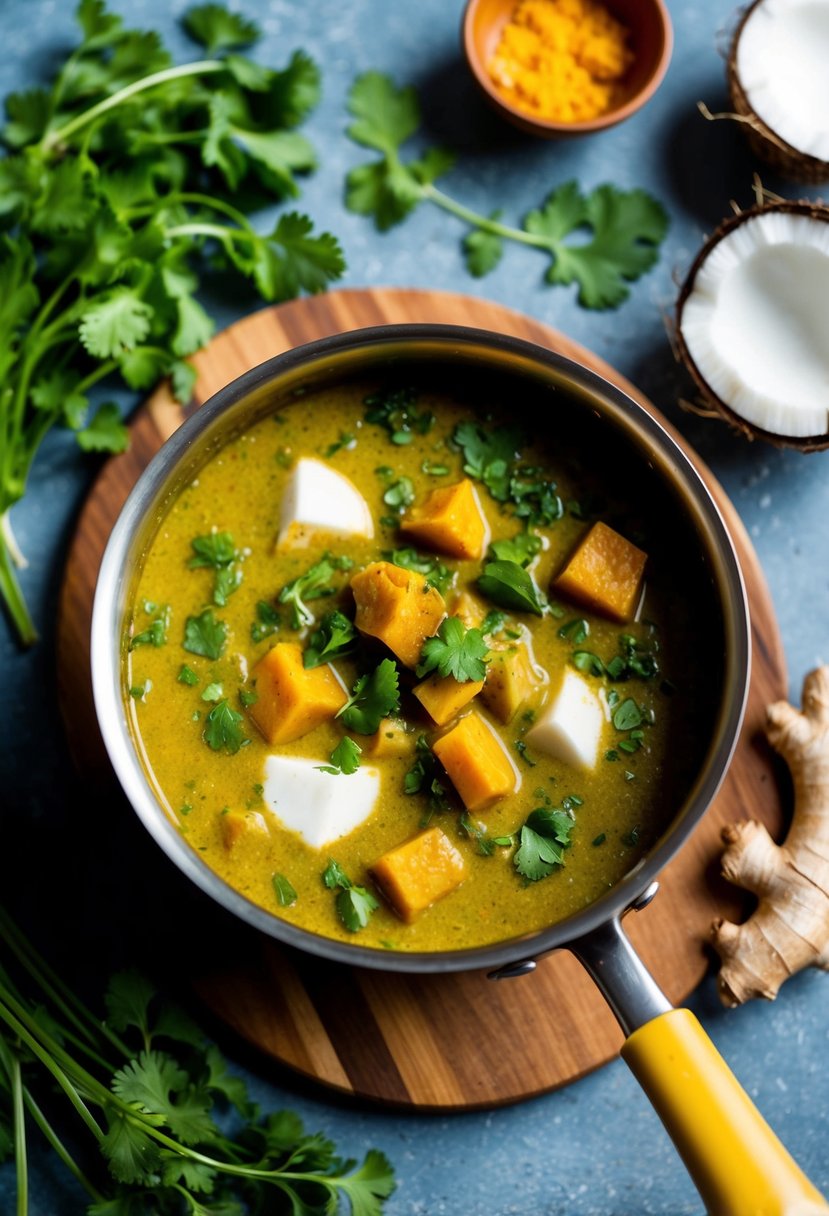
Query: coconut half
x,y
778,75
753,323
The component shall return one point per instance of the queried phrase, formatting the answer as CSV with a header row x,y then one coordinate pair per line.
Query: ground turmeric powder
x,y
562,60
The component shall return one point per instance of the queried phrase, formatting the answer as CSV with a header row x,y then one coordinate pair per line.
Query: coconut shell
x,y
764,142
713,403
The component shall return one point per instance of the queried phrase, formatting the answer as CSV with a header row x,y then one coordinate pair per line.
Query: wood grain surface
x,y
435,1042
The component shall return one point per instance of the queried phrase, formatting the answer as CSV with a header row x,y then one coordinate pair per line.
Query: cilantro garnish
x,y
486,843
248,697
354,904
508,584
543,839
223,728
437,575
285,894
401,494
334,637
156,1136
204,635
155,633
631,838
493,622
213,692
395,410
314,584
587,662
625,227
125,178
267,621
424,777
140,692
375,696
186,675
628,715
489,456
455,651
575,631
218,552
520,549
635,660
521,748
345,758
345,441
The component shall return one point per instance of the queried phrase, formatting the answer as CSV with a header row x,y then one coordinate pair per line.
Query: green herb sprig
x,y
123,179
625,228
144,1090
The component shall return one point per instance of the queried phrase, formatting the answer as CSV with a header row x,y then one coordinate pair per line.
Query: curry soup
x,y
517,801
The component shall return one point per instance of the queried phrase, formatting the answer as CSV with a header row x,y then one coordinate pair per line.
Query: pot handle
x,y
734,1158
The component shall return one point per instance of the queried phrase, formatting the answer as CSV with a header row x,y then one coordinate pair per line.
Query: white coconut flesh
x,y
782,64
756,322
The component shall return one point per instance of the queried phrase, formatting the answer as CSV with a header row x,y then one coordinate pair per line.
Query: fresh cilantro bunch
x,y
123,180
176,1130
625,228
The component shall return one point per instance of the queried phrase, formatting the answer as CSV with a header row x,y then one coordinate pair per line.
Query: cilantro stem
x,y
12,595
202,67
199,200
220,231
19,1124
483,222
51,1137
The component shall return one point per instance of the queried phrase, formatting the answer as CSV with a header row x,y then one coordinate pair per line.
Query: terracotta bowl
x,y
651,40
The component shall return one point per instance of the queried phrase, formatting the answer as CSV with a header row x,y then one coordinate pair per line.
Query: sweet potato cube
x,y
293,699
390,739
470,610
398,607
477,763
242,825
510,678
450,520
443,696
604,573
416,874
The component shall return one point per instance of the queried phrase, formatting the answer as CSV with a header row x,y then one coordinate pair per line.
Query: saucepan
x,y
739,1166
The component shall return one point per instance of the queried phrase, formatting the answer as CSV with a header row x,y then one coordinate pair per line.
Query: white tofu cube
x,y
570,725
318,499
319,806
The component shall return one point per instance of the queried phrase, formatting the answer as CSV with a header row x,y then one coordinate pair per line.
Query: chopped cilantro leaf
x,y
223,728
478,833
213,692
314,584
521,748
345,758
375,696
401,494
334,637
248,697
204,635
493,622
186,675
437,575
139,692
267,621
599,840
488,456
543,839
575,631
627,716
395,410
521,548
424,777
345,441
354,904
218,552
285,894
156,632
631,838
509,585
587,662
455,651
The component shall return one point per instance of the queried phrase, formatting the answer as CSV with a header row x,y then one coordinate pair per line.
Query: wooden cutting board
x,y
452,1041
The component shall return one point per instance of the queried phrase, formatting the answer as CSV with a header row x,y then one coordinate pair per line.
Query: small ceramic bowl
x,y
651,40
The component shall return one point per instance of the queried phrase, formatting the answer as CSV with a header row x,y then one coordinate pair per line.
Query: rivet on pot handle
x,y
737,1163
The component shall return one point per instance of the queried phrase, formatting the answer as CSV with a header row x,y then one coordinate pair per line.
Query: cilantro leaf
x,y
488,455
205,635
521,548
218,551
345,758
354,904
628,715
116,320
314,584
437,575
267,621
510,586
285,894
375,696
217,29
385,116
543,838
425,777
455,651
334,637
627,228
154,635
105,433
483,250
156,1084
223,728
132,1155
368,1186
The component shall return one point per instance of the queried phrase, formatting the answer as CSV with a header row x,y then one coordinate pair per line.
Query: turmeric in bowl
x,y
562,60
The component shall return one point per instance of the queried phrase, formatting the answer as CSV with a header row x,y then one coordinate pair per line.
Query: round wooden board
x,y
433,1042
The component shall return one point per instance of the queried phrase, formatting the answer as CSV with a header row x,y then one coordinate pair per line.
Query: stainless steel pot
x,y
737,1163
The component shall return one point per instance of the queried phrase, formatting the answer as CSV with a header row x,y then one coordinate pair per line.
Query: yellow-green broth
x,y
626,802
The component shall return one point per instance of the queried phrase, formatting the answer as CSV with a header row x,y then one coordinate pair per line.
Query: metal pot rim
x,y
452,342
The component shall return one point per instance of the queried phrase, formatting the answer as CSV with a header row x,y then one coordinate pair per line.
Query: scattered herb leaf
x,y
455,651
285,894
204,635
223,728
334,637
510,586
354,904
375,696
345,758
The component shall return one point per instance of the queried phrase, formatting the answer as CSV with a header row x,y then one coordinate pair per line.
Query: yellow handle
x,y
737,1163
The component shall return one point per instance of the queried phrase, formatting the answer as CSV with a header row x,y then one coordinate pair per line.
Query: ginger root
x,y
789,929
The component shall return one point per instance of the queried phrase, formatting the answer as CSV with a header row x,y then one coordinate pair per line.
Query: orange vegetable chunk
x,y
416,874
242,825
293,699
443,696
469,610
390,739
450,520
398,607
477,764
604,573
510,678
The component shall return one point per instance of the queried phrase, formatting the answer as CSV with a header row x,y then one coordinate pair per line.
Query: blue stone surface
x,y
79,872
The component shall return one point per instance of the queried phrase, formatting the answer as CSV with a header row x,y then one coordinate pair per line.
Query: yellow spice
x,y
562,60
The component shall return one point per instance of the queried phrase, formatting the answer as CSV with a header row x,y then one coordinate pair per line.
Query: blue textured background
x,y
79,872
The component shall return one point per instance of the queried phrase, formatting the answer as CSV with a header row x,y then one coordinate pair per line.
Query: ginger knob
x,y
789,929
